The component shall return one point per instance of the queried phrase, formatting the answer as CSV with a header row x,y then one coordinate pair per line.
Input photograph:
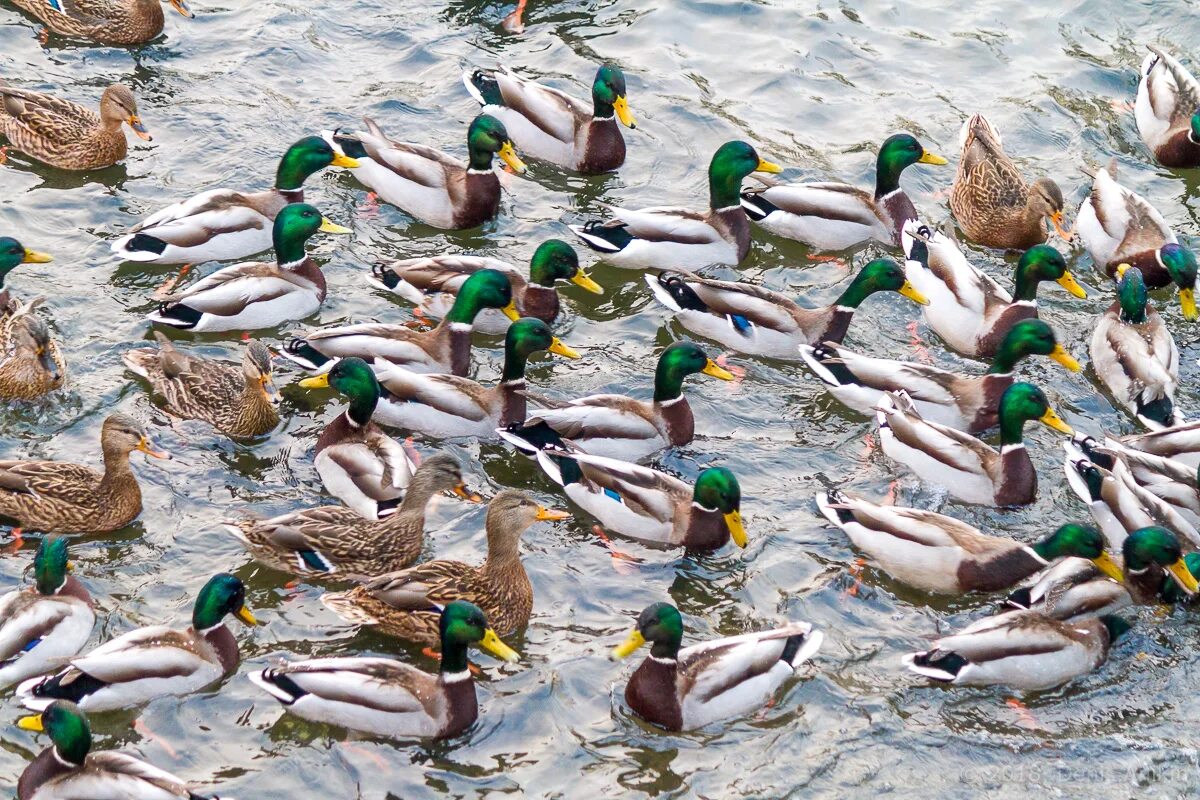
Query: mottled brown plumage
x,y
65,134
120,23
30,361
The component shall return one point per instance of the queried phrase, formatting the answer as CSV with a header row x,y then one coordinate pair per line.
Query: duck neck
x,y
724,188
515,363
855,293
454,658
289,251
887,174
1005,360
416,498
668,382
291,175
116,469
1025,286
1012,429
362,407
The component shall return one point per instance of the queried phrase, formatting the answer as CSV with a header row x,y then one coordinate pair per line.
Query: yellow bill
x,y
632,642
1052,420
551,514
1105,564
1060,355
510,311
912,294
767,166
621,106
466,494
245,616
34,257
343,160
491,642
31,723
931,158
316,382
1121,270
1184,577
737,531
583,280
1187,301
1068,282
560,349
714,370
147,447
508,155
330,227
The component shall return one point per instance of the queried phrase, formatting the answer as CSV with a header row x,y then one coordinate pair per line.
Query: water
x,y
816,85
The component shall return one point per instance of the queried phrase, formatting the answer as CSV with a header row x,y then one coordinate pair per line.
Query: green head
x,y
1131,294
1171,592
609,96
487,288
732,162
1194,135
1043,263
525,337
1156,546
717,489
1030,337
1021,403
880,275
51,565
487,137
553,261
1116,626
897,153
461,625
660,625
1180,264
295,225
307,156
1093,478
66,726
1080,541
355,379
223,594
679,361
13,253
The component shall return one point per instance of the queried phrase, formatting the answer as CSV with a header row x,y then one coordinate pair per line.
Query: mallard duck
x,y
69,769
227,224
1168,479
407,603
1070,590
445,349
31,363
967,309
1135,356
389,698
1180,442
152,662
257,294
1168,110
13,254
1171,591
967,402
451,405
683,689
433,284
428,184
238,401
66,135
553,126
47,622
666,237
336,541
119,23
991,201
834,216
751,319
618,426
58,497
969,469
1118,226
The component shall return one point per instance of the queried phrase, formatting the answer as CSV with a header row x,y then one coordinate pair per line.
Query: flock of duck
x,y
1141,490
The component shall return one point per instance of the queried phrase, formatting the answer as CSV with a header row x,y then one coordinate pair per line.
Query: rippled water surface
x,y
815,85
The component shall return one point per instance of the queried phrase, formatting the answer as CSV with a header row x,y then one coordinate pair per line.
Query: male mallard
x,y
967,402
834,216
1170,480
226,224
969,469
553,126
66,135
666,237
389,698
30,362
433,283
12,254
1180,442
751,319
118,23
1071,590
156,661
991,201
257,294
238,401
407,603
1168,110
684,689
428,184
55,496
1135,356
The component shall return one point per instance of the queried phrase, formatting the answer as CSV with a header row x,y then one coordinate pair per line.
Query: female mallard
x,y
118,23
30,362
450,405
834,216
688,688
151,662
750,319
969,469
239,402
1168,110
406,604
336,541
553,126
1170,480
991,201
445,349
46,623
58,497
390,698
967,402
66,135
428,184
226,224
433,283
665,237
1135,356
12,254
257,294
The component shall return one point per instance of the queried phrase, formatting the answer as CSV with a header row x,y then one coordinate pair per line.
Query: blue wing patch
x,y
740,324
34,643
56,5
613,494
311,559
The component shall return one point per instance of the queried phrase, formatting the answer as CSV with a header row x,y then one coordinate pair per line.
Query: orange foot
x,y
1025,717
17,541
370,206
163,291
919,349
44,36
856,574
868,446
513,22
1121,106
889,499
374,758
818,259
144,730
4,154
739,373
411,451
622,562
418,324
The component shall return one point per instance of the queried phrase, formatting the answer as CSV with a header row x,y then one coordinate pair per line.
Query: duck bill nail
x,y
317,382
31,723
1105,564
508,155
932,158
1184,577
560,349
1061,356
270,391
245,616
912,294
584,281
182,8
767,166
34,257
737,531
1068,282
466,494
1052,420
491,643
340,160
632,642
714,370
332,227
621,106
551,514
1187,302
139,128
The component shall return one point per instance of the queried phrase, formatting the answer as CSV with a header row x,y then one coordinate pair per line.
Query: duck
x,y
335,541
969,469
449,405
835,216
152,662
428,184
553,126
684,688
65,135
46,622
240,402
256,294
1070,590
117,23
619,426
1168,110
59,497
990,199
969,310
1168,479
31,363
12,255
1180,442
384,697
1118,226
968,403
666,237
407,604
1135,356
445,349
750,319
228,224
433,284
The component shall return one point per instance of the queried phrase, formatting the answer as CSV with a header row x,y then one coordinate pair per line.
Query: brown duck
x,y
120,23
30,362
